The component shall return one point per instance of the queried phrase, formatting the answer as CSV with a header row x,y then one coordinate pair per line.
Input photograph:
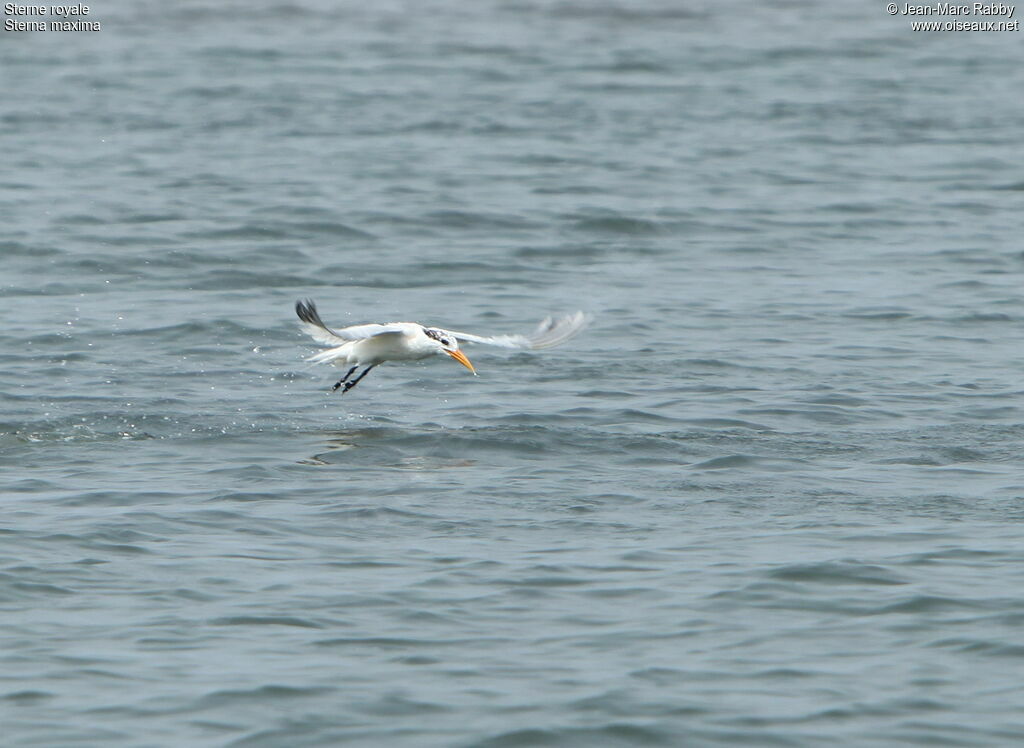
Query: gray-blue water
x,y
773,496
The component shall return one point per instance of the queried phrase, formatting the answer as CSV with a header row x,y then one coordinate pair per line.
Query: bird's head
x,y
448,344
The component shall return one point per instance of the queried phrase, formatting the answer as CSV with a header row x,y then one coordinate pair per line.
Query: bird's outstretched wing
x,y
550,332
321,333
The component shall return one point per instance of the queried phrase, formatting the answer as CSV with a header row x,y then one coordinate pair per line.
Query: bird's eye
x,y
445,341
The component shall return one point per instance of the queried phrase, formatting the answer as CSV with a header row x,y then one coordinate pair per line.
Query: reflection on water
x,y
377,447
432,463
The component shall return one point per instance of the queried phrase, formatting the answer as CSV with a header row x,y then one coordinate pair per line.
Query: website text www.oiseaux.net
x,y
965,25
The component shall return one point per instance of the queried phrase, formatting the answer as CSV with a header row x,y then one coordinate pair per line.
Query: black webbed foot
x,y
357,380
343,380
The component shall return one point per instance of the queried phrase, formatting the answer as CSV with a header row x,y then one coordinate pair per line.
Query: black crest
x,y
437,335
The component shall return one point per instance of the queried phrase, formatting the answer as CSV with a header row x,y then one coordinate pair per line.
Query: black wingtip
x,y
306,311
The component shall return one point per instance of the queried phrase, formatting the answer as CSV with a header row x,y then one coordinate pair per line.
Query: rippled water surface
x,y
771,497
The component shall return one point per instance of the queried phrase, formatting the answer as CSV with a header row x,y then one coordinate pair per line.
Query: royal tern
x,y
373,344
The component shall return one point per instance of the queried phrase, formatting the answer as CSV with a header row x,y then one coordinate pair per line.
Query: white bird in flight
x,y
373,344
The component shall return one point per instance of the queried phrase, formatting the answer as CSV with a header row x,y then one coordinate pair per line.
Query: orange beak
x,y
461,358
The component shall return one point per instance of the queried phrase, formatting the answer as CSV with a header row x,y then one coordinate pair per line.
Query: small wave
x,y
932,604
882,315
837,572
982,317
727,423
613,735
13,249
268,694
27,696
732,462
470,220
619,225
266,621
983,647
282,230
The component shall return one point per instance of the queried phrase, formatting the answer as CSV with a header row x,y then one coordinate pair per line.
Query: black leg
x,y
343,379
357,380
